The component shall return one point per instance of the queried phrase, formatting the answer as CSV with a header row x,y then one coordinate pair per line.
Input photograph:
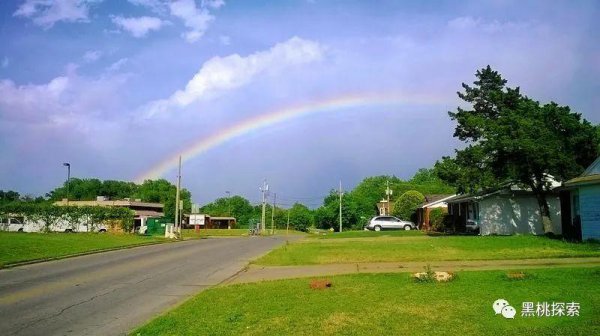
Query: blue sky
x,y
114,87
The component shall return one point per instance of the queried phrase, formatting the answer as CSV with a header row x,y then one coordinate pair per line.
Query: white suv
x,y
379,223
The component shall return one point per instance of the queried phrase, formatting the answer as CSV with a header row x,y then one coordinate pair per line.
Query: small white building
x,y
585,201
506,211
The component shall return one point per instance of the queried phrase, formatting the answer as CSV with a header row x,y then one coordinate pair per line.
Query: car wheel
x,y
69,231
407,227
20,230
102,231
377,228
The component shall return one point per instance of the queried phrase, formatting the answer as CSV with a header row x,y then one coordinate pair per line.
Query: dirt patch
x,y
320,284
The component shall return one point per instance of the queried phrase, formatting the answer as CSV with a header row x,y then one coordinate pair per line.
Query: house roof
x,y
438,200
436,197
222,218
122,203
590,176
508,188
593,169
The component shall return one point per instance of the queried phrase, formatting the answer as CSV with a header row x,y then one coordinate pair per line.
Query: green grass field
x,y
19,247
389,304
360,247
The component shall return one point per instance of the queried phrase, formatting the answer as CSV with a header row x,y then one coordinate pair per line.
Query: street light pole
x,y
68,165
228,203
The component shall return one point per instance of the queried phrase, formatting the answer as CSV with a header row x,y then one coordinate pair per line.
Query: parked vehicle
x,y
472,226
379,223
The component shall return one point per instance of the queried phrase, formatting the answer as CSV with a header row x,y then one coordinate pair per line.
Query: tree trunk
x,y
545,213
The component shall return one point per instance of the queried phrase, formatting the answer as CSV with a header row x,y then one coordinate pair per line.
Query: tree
x,y
162,191
89,189
300,217
9,196
598,135
407,204
235,206
372,190
512,138
327,216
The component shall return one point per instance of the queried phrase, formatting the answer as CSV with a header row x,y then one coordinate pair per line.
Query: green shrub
x,y
436,219
407,204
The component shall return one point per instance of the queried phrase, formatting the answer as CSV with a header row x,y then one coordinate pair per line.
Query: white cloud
x,y
213,3
139,26
92,56
116,66
495,26
67,97
46,13
226,73
196,19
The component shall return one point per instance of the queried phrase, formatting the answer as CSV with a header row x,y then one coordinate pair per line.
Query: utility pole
x,y
177,222
287,229
388,192
264,189
273,214
340,206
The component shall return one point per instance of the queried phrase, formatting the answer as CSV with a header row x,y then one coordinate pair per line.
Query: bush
x,y
436,219
48,215
407,204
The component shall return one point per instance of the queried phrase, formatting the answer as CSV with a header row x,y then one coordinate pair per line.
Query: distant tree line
x,y
158,191
358,205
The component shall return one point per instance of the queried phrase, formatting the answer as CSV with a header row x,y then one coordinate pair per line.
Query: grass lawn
x,y
389,304
18,247
415,246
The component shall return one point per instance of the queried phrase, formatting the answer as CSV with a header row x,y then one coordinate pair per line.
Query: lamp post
x,y
68,165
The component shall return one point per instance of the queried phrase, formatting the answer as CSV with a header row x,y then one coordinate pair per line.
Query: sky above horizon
x,y
116,88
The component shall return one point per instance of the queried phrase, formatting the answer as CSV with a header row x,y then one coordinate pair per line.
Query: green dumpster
x,y
156,225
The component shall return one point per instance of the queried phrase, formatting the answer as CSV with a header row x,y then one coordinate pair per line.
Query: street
x,y
113,292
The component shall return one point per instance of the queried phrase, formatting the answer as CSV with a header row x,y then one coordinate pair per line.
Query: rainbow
x,y
280,115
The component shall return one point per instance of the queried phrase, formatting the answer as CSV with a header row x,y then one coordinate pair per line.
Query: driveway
x,y
111,293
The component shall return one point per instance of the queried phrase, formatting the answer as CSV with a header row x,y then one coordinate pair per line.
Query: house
x,y
581,201
385,207
202,221
142,210
431,202
504,211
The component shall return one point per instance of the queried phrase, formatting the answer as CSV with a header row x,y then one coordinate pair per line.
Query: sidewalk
x,y
255,273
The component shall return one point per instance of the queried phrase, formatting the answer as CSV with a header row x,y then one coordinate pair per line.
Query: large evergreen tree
x,y
512,138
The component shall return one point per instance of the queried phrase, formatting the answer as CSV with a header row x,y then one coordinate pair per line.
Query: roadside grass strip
x,y
394,304
388,248
18,247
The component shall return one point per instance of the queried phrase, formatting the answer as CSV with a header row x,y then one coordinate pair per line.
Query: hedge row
x,y
49,215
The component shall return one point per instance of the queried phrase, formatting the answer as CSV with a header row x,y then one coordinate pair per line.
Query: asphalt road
x,y
111,293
